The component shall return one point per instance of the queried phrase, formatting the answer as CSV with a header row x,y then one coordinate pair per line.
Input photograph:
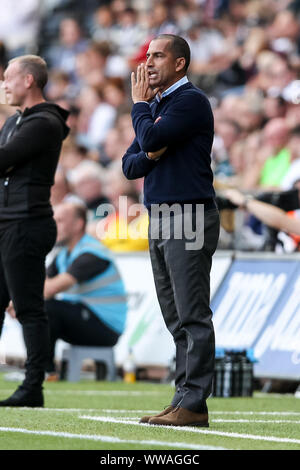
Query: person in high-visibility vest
x,y
85,295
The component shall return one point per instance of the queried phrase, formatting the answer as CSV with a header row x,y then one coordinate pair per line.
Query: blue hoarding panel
x,y
278,346
248,303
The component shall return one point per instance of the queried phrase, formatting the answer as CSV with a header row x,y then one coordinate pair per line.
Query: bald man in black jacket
x,y
30,144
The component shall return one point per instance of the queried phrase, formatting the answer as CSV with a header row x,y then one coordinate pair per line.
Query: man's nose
x,y
149,61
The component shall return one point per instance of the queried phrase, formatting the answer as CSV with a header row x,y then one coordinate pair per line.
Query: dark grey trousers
x,y
182,281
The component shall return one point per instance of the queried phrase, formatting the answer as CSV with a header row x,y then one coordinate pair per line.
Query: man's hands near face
x,y
140,86
142,91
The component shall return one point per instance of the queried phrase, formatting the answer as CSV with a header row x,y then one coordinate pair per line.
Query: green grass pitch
x,y
104,416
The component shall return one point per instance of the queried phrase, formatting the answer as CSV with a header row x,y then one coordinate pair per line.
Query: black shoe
x,y
24,397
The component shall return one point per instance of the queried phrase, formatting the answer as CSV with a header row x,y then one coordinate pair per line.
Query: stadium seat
x,y
74,355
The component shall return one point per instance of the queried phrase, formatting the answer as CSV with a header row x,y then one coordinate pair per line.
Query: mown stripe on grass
x,y
115,411
133,393
110,439
79,410
106,419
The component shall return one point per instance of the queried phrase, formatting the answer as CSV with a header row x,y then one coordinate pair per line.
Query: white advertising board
x,y
145,330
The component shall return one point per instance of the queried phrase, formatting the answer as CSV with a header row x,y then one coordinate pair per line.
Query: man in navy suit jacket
x,y
174,129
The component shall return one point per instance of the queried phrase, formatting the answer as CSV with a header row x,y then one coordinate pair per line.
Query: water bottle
x,y
129,368
227,380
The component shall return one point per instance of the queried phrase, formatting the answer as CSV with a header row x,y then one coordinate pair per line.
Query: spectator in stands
x,y
284,32
161,21
115,183
226,134
114,93
273,159
19,26
103,27
183,16
270,215
156,21
71,156
87,180
129,32
125,229
112,148
274,73
245,110
61,187
71,43
293,115
208,47
96,117
124,125
250,147
293,173
102,56
91,309
60,86
273,107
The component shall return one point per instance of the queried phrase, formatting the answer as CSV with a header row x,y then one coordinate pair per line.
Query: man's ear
x,y
180,64
80,224
29,80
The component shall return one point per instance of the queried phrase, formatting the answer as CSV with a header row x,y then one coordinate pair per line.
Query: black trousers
x,y
75,324
182,281
23,249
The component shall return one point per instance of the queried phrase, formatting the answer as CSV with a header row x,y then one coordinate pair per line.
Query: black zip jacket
x,y
30,144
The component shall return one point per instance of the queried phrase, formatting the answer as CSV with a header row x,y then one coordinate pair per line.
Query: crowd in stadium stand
x,y
246,58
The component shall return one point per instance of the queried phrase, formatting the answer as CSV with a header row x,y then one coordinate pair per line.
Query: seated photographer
x,y
90,308
268,214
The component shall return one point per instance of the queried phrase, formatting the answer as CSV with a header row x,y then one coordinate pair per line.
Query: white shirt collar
x,y
172,88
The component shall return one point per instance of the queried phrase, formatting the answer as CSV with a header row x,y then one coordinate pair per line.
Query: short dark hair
x,y
178,46
34,65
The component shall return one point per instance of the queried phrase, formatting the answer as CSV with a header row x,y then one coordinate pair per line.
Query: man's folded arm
x,y
189,113
135,162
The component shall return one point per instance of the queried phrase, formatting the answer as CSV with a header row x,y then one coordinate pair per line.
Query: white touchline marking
x,y
96,437
130,411
106,419
271,413
254,421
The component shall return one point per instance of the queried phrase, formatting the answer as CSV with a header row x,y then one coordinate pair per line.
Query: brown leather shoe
x,y
181,417
145,419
